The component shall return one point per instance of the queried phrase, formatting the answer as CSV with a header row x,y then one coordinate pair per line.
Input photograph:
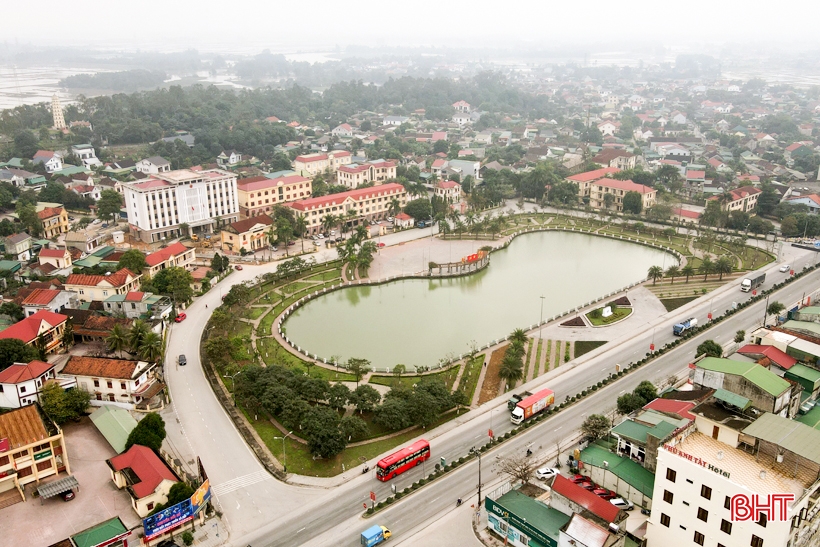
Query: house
x,y
89,326
109,533
258,195
33,449
228,159
51,161
619,159
145,475
115,424
120,382
19,245
174,255
343,131
138,305
99,287
569,498
395,120
86,154
153,165
403,220
59,258
249,235
355,174
87,191
21,177
462,118
741,199
581,532
200,276
84,241
44,327
466,168
48,299
55,221
608,128
618,189
685,215
812,201
461,106
120,168
21,383
449,191
366,204
639,436
310,165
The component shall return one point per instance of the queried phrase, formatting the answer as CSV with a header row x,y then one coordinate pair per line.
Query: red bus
x,y
401,461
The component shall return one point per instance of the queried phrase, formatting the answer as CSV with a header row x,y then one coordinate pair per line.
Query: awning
x,y
51,489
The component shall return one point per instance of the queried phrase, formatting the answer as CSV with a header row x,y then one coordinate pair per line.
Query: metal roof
x,y
760,376
732,398
115,424
794,436
53,488
625,469
100,533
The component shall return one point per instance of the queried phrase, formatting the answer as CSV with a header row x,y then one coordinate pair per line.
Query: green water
x,y
417,321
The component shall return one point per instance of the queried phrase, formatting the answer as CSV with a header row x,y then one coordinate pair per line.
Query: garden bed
x,y
599,321
574,322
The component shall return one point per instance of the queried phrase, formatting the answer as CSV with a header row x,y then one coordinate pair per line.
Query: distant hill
x,y
126,80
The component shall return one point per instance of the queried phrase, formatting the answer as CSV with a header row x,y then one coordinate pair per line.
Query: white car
x,y
333,232
546,473
321,236
785,268
621,503
389,219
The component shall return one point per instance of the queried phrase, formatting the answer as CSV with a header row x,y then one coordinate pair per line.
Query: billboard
x,y
168,519
201,497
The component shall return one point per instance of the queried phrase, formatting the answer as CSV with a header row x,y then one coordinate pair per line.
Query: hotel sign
x,y
696,460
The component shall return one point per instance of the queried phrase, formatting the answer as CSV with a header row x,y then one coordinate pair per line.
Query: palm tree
x,y
723,266
394,208
655,272
672,271
511,369
271,235
328,222
688,270
151,347
470,219
300,227
609,199
706,267
518,335
137,334
117,339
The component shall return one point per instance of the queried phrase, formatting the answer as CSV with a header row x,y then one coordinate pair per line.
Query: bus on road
x,y
401,461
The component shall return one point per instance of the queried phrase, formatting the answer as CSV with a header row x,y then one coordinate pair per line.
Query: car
x,y
180,317
785,268
238,267
96,221
381,245
621,503
576,479
605,493
274,248
105,225
546,473
588,486
321,236
71,218
333,232
315,238
68,495
291,243
182,360
389,219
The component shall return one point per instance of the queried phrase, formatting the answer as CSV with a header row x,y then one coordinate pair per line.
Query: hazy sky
x,y
248,26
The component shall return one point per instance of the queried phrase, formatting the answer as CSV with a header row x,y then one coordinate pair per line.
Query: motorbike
x,y
458,502
529,452
365,469
645,511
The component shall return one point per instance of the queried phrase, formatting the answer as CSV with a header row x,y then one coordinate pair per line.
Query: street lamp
x,y
233,383
284,454
541,323
478,453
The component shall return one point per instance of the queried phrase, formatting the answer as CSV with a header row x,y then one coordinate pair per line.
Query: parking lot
x,y
41,524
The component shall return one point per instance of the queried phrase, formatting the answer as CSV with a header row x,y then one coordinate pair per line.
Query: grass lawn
x,y
469,380
295,287
619,313
255,313
329,275
273,353
675,303
447,376
585,346
242,329
264,328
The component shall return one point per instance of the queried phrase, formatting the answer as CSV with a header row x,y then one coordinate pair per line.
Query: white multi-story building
x,y
310,165
159,205
121,382
86,154
376,171
721,460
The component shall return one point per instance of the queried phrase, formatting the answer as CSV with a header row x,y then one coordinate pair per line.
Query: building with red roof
x,y
685,215
741,199
769,355
678,409
55,221
448,190
44,324
365,204
376,171
250,234
175,255
570,498
121,382
54,300
145,475
258,195
52,161
310,165
99,287
589,176
620,159
59,258
597,191
21,383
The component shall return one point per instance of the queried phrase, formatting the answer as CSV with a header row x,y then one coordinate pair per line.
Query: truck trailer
x,y
517,398
532,405
752,282
375,535
684,326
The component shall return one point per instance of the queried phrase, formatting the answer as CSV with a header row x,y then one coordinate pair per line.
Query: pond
x,y
416,322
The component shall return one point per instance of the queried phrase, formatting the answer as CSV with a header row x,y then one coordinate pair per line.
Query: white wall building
x,y
87,155
153,165
21,383
203,200
120,382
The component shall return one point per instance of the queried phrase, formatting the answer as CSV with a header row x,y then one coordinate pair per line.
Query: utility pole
x,y
765,311
478,453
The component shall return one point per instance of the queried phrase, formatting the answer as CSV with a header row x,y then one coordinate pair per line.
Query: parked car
x,y
321,236
238,267
180,317
785,268
291,243
578,479
621,503
605,493
182,360
588,486
546,473
381,245
389,219
274,248
68,495
105,225
333,232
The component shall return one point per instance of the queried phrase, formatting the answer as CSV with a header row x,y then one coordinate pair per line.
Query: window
x,y
110,384
665,520
706,492
727,503
122,385
668,496
699,538
703,514
96,383
725,526
756,541
671,474
762,520
22,389
150,506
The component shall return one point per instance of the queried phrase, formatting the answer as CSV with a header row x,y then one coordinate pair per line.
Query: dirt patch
x,y
622,301
489,389
574,322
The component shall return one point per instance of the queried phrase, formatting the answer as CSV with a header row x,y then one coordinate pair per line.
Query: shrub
x,y
187,538
369,511
399,495
422,482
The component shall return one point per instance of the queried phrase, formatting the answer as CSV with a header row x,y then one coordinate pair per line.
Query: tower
x,y
57,113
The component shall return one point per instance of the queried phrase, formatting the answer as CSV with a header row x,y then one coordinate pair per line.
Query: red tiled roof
x,y
28,329
774,354
744,191
671,406
439,163
686,213
81,365
310,158
163,255
340,154
52,253
794,146
134,296
695,175
116,279
147,466
749,178
625,185
448,184
586,499
21,372
44,154
714,162
403,216
593,175
813,197
49,212
260,183
356,195
40,297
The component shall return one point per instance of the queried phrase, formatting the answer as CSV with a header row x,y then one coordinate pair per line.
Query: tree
x,y
352,427
54,192
706,267
688,271
109,205
609,199
365,398
179,492
647,391
438,147
655,273
117,339
150,432
139,329
672,272
337,396
62,406
13,310
218,263
628,403
150,349
633,203
321,429
518,335
424,408
27,214
300,229
393,414
358,368
740,336
134,260
25,144
284,232
419,209
13,351
512,367
710,348
595,426
775,308
564,193
723,266
67,338
174,282
518,467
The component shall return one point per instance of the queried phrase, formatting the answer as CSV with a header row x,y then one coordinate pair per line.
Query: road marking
x,y
300,529
558,428
621,391
240,482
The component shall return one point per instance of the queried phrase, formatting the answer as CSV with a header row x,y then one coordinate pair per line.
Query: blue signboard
x,y
168,519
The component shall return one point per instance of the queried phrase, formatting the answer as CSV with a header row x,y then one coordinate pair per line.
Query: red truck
x,y
532,405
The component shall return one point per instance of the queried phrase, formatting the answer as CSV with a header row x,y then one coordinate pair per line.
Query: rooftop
x,y
29,328
624,468
593,175
103,368
775,355
625,185
586,499
262,182
115,424
789,434
356,195
100,533
163,255
25,426
147,466
638,431
243,226
759,375
546,519
40,297
21,372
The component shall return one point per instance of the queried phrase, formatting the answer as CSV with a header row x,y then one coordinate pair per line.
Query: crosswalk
x,y
240,482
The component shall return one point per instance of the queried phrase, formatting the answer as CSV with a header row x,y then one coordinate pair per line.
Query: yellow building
x,y
250,234
55,221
